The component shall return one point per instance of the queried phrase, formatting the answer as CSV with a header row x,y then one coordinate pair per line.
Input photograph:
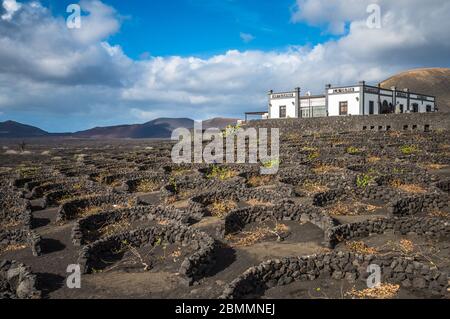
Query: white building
x,y
361,99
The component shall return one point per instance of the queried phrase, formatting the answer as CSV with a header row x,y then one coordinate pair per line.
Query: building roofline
x,y
350,86
376,87
306,97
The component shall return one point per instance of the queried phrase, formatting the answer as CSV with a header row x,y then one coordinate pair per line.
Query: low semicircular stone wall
x,y
193,267
338,266
426,226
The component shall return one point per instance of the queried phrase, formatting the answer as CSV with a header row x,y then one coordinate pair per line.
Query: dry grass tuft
x,y
256,181
93,210
351,209
313,188
7,224
114,228
163,222
221,208
395,134
434,167
384,291
373,159
176,254
13,247
406,246
222,173
249,238
408,188
89,211
324,169
439,213
179,171
360,247
115,183
257,202
147,186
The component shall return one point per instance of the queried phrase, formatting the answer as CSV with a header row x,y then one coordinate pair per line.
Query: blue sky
x,y
204,27
133,61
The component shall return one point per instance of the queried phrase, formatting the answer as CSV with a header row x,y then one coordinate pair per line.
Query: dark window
x,y
414,127
380,128
343,108
405,127
415,107
426,128
364,128
401,108
282,111
371,107
386,107
428,108
388,128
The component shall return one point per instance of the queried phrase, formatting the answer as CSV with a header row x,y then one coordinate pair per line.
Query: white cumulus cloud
x,y
10,6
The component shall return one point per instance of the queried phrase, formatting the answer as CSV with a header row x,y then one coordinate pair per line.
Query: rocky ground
x,y
140,226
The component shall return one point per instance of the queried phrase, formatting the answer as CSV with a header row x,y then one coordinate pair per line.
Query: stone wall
x,y
193,268
417,204
17,281
338,266
237,219
94,222
22,237
70,209
399,122
426,226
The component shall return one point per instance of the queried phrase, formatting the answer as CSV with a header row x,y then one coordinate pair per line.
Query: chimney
x,y
328,86
362,82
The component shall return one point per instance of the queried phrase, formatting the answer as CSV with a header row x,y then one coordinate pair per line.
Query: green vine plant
x,y
271,163
174,184
363,181
353,150
409,149
231,130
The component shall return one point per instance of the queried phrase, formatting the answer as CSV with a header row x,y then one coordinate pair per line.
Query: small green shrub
x,y
221,173
353,150
363,181
271,163
409,149
231,130
313,156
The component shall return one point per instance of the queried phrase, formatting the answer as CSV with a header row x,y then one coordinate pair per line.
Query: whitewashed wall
x,y
353,100
290,107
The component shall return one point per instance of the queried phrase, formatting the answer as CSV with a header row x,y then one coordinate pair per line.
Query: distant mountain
x,y
434,81
11,129
159,128
219,122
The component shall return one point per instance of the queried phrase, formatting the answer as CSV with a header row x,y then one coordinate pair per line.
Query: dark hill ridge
x,y
11,129
433,81
159,128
